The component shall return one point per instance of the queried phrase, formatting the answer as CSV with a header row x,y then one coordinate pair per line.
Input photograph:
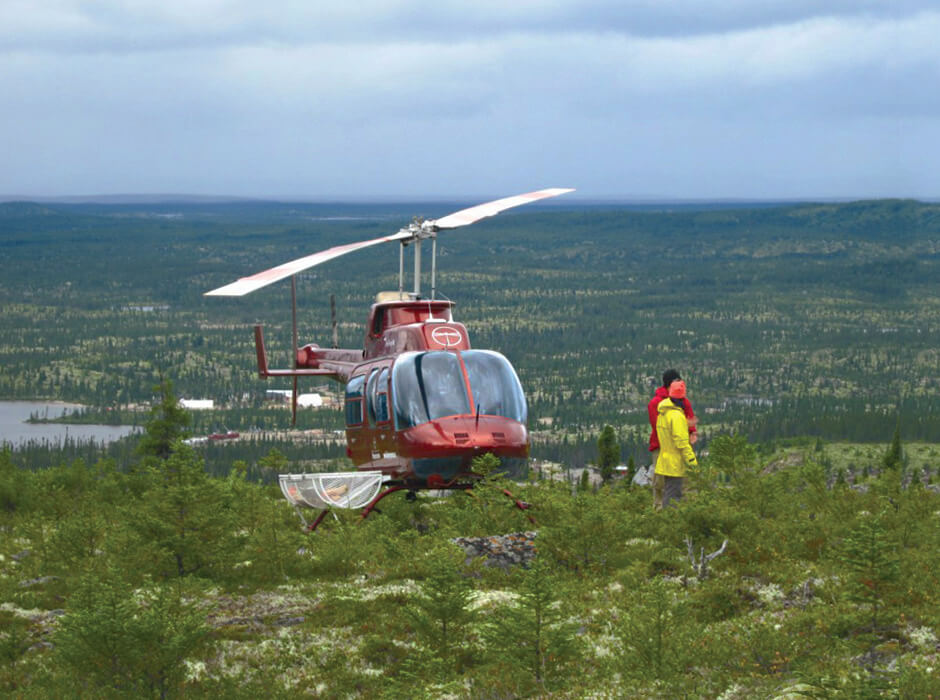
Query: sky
x,y
621,99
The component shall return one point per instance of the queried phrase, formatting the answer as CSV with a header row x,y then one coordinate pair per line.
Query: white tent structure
x,y
198,404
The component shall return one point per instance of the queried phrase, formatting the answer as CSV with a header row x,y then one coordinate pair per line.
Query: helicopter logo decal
x,y
446,336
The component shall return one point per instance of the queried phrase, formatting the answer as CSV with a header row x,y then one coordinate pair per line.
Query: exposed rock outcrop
x,y
504,551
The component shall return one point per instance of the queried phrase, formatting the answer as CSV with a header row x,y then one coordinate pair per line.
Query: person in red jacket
x,y
669,376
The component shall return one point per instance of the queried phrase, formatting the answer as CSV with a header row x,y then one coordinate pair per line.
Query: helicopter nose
x,y
486,434
479,439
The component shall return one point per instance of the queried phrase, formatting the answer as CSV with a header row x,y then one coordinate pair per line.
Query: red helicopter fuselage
x,y
420,403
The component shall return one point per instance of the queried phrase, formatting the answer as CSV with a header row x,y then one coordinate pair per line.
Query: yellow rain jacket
x,y
675,452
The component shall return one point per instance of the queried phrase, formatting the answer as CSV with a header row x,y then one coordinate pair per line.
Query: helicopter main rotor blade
x,y
481,211
246,285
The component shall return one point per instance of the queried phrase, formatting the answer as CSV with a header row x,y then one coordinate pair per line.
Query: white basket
x,y
331,489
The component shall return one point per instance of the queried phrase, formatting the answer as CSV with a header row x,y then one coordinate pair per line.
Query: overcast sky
x,y
467,98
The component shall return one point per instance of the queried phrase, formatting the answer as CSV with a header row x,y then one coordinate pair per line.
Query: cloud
x,y
125,26
466,97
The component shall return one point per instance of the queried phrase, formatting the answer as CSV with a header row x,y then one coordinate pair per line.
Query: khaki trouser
x,y
657,482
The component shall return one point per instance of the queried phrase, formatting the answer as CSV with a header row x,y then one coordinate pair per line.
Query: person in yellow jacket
x,y
675,452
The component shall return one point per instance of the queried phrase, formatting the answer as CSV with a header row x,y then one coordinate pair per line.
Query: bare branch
x,y
700,567
717,552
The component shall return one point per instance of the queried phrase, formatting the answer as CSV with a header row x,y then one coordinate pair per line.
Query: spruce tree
x,y
442,608
534,632
894,457
608,452
871,558
654,630
185,517
732,456
16,639
584,483
132,642
15,485
169,423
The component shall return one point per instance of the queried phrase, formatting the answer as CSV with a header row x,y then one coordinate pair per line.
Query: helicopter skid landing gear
x,y
521,505
369,508
412,495
313,526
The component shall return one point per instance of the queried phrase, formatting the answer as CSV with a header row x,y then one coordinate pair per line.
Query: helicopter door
x,y
356,437
376,400
383,440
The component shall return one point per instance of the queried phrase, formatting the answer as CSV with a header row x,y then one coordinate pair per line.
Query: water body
x,y
14,429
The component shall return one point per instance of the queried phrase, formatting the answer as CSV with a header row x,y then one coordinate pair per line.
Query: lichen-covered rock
x,y
262,610
504,551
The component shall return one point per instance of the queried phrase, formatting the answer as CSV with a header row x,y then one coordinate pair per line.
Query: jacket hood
x,y
662,392
667,405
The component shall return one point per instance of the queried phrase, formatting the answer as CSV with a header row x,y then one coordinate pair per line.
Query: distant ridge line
x,y
631,201
131,199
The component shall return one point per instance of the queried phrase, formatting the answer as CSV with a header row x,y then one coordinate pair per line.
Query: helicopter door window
x,y
377,414
354,401
496,388
427,386
380,389
370,395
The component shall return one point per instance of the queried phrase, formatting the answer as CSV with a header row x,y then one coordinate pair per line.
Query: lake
x,y
16,431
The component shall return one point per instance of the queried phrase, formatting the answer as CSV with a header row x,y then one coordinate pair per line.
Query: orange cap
x,y
677,389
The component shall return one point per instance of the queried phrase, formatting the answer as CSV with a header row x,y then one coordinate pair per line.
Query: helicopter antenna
x,y
417,265
433,264
293,307
401,268
333,319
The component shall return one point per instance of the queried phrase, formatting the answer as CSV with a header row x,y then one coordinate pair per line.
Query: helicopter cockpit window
x,y
427,386
354,400
496,388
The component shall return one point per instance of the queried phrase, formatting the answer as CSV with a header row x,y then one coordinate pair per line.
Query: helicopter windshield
x,y
430,385
495,386
427,386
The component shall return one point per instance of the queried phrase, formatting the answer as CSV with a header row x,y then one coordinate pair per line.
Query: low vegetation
x,y
155,579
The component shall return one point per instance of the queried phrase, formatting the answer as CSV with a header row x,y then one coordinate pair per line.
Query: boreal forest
x,y
801,563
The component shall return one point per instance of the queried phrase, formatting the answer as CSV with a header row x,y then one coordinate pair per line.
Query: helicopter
x,y
420,403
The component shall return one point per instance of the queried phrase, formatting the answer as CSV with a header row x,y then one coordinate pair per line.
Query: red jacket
x,y
652,408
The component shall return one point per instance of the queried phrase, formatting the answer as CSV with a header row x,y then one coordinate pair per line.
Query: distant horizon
x,y
183,198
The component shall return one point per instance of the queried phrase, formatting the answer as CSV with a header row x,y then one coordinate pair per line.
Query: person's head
x,y
670,376
677,389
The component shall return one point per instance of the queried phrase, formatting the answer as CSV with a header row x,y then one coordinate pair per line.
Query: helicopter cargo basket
x,y
331,489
